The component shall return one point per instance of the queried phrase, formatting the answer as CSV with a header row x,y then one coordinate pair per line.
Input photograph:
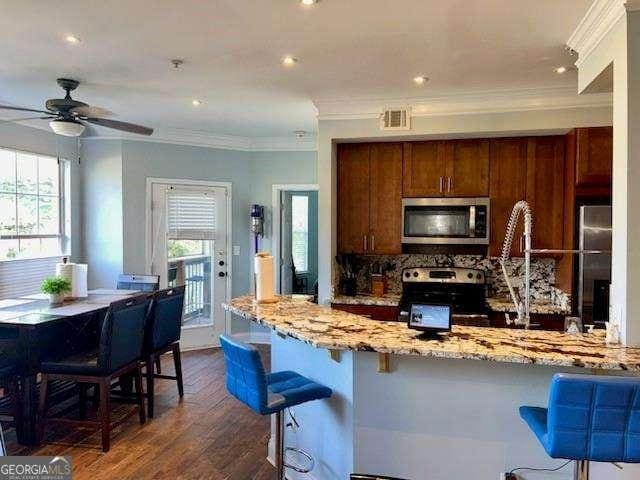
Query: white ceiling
x,y
348,49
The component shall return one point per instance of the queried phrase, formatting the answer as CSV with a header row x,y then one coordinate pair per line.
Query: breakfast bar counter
x,y
422,409
324,327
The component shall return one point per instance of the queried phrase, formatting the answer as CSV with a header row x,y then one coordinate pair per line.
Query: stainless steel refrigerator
x,y
594,269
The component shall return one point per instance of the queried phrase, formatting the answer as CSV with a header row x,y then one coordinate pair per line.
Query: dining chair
x,y
163,335
118,353
9,380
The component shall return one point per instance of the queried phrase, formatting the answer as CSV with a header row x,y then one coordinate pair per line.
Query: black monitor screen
x,y
430,317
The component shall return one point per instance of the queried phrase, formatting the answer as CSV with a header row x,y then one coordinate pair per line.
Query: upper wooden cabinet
x,y
508,186
385,213
455,168
594,156
545,190
370,198
353,197
424,169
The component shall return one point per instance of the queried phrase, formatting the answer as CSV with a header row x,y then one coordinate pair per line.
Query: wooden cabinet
x,y
424,169
385,212
370,198
507,186
455,168
594,157
353,197
374,312
545,190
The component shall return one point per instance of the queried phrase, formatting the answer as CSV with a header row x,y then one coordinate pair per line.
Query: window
x,y
33,213
300,232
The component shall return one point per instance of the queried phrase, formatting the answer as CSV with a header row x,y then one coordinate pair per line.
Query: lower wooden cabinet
x,y
374,312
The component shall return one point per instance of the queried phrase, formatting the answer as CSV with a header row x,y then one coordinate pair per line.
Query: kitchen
x,y
442,189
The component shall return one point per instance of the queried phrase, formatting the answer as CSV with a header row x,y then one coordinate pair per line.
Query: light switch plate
x,y
236,250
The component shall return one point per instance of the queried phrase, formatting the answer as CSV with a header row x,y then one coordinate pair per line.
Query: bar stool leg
x,y
581,470
279,453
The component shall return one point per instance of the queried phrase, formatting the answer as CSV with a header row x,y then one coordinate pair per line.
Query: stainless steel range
x,y
465,289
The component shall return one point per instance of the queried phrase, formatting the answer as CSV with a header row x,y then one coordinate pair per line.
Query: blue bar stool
x,y
590,417
268,393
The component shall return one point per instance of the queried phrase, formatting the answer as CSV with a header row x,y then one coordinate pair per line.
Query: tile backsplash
x,y
542,272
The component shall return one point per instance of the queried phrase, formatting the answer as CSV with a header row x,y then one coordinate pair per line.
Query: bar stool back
x,y
589,417
268,394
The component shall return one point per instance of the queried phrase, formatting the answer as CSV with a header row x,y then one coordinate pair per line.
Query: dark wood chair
x,y
163,335
119,353
10,411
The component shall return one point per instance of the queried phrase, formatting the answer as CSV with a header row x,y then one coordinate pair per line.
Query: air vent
x,y
396,119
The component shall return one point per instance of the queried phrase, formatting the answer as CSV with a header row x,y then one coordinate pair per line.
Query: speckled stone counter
x,y
502,304
388,300
323,327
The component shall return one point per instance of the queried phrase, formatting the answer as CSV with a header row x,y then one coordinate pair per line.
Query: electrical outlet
x,y
236,250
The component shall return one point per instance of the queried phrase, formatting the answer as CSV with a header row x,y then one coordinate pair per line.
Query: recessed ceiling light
x,y
196,102
420,80
561,69
72,39
308,3
289,61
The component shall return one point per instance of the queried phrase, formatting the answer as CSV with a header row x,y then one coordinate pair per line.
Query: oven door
x,y
444,221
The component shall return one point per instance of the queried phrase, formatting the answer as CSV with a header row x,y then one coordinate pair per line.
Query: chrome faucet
x,y
522,304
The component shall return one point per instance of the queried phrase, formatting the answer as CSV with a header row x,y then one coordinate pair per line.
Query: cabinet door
x,y
423,169
353,197
467,168
386,198
594,156
545,190
506,187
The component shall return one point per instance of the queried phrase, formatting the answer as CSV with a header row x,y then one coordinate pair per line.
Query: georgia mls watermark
x,y
35,468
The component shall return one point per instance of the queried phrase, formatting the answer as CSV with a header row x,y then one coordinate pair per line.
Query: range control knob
x,y
470,275
479,276
415,274
407,274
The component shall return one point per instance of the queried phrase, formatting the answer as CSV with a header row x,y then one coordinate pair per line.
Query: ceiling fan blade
x,y
20,109
124,126
91,112
26,118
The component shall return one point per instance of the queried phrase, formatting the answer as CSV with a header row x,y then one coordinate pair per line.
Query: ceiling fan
x,y
67,115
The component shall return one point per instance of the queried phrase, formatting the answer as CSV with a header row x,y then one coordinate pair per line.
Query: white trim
x,y
149,219
276,190
492,101
601,17
201,138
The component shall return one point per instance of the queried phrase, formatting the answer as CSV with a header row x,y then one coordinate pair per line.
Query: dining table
x,y
42,330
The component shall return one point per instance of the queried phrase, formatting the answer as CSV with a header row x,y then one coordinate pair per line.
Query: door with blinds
x,y
189,247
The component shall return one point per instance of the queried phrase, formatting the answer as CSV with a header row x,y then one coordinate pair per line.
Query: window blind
x,y
191,215
24,277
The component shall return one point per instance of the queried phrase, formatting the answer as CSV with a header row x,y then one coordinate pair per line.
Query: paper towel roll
x,y
263,268
76,273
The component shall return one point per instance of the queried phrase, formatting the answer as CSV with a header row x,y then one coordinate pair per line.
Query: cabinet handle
x,y
364,242
441,184
450,183
373,242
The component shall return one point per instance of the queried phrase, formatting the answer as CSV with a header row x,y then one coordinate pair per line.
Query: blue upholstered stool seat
x,y
286,389
590,417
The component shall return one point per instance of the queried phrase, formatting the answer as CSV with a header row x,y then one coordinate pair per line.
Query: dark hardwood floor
x,y
209,435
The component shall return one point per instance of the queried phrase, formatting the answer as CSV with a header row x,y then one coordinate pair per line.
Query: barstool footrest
x,y
298,468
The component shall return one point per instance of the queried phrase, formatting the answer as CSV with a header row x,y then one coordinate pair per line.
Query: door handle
x,y
373,242
450,183
364,242
441,184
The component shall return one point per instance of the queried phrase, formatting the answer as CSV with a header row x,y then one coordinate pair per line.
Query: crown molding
x,y
200,138
601,17
492,101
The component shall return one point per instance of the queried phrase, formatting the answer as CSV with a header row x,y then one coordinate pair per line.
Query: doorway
x,y
297,240
188,246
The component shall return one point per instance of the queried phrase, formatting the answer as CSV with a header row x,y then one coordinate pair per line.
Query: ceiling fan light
x,y
68,128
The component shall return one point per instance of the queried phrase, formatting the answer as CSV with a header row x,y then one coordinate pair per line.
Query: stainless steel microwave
x,y
454,221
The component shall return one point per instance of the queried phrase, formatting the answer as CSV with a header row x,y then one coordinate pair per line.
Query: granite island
x,y
425,409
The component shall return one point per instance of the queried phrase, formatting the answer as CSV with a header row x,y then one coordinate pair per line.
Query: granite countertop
x,y
388,300
504,304
324,327
495,304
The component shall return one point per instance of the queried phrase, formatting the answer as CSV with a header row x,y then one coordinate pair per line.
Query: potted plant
x,y
56,287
